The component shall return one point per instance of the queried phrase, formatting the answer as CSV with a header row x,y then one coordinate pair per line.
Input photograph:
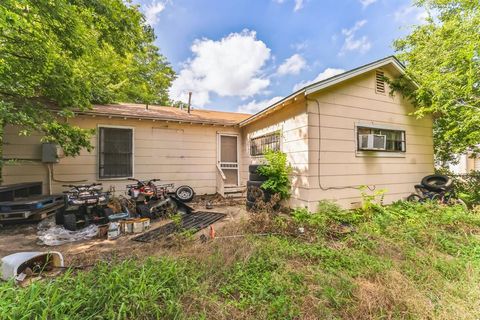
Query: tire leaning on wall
x,y
254,190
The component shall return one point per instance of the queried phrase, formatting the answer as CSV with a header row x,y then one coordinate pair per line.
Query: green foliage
x,y
277,170
371,200
404,261
126,290
66,55
442,57
262,282
467,187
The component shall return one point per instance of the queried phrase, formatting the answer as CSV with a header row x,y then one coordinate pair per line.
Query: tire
x,y
256,184
437,182
70,222
253,168
254,194
144,211
250,205
257,177
59,216
185,193
414,198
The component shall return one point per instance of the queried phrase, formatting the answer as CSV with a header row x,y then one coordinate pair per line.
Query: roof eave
x,y
355,72
167,119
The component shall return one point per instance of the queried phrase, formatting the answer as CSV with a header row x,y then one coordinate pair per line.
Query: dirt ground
x,y
18,238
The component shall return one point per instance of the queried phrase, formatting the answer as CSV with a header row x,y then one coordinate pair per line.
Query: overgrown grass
x,y
404,261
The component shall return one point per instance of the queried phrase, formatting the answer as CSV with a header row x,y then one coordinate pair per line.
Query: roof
x,y
320,85
140,111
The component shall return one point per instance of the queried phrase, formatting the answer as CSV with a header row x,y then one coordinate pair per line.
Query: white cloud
x,y
231,66
254,106
299,46
292,65
410,14
352,43
366,3
298,5
327,73
152,11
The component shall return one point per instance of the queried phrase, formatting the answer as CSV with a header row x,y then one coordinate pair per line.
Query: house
x,y
339,134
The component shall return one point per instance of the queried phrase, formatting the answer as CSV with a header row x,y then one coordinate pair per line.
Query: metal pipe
x,y
189,101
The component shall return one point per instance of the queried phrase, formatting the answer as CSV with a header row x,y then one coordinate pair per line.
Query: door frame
x,y
219,152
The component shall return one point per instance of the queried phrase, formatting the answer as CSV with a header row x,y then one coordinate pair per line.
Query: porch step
x,y
235,192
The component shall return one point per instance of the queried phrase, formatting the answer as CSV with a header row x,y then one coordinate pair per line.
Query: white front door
x,y
228,158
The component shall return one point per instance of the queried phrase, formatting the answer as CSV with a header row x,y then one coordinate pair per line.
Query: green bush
x,y
277,170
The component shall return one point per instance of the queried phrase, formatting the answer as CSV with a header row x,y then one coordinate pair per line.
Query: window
x,y
260,145
395,139
115,150
379,82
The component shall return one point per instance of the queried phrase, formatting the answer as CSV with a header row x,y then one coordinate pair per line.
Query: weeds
x,y
404,261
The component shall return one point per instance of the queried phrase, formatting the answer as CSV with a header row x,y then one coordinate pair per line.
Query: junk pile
x,y
193,222
25,267
51,234
24,203
89,211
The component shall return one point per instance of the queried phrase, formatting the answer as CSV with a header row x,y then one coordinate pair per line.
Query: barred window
x,y
260,145
115,150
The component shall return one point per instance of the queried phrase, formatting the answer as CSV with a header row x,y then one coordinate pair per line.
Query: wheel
x,y
70,222
257,177
437,182
256,193
59,216
250,205
185,193
414,198
143,210
256,184
253,168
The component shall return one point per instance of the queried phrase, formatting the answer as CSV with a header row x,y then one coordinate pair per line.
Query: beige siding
x,y
332,144
178,153
292,122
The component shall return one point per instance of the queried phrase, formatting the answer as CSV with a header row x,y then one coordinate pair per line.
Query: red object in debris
x,y
212,232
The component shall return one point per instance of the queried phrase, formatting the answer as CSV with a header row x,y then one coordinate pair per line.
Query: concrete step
x,y
235,192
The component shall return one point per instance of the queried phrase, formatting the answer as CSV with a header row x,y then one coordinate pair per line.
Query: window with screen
x,y
115,149
395,139
260,145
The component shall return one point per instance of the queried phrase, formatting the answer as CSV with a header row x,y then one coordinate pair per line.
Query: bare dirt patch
x,y
24,238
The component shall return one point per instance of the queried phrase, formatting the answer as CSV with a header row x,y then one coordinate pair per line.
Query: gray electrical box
x,y
50,153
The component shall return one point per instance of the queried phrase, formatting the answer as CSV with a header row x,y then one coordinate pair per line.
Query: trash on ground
x,y
51,234
194,221
22,266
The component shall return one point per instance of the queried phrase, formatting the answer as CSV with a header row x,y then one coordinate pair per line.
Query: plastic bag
x,y
51,234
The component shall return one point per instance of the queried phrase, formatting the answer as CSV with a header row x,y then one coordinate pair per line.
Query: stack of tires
x,y
254,191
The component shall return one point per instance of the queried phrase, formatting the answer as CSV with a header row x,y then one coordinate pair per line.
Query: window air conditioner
x,y
372,142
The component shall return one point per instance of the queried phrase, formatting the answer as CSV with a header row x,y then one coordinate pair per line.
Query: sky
x,y
239,55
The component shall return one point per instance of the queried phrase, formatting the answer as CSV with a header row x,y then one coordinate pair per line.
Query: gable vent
x,y
379,81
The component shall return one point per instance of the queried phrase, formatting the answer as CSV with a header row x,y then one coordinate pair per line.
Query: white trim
x,y
356,72
98,152
378,154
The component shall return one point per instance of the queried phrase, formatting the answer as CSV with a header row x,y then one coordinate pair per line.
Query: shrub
x,y
278,171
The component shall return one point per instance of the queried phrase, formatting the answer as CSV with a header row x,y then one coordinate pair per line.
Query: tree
x,y
443,57
67,54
